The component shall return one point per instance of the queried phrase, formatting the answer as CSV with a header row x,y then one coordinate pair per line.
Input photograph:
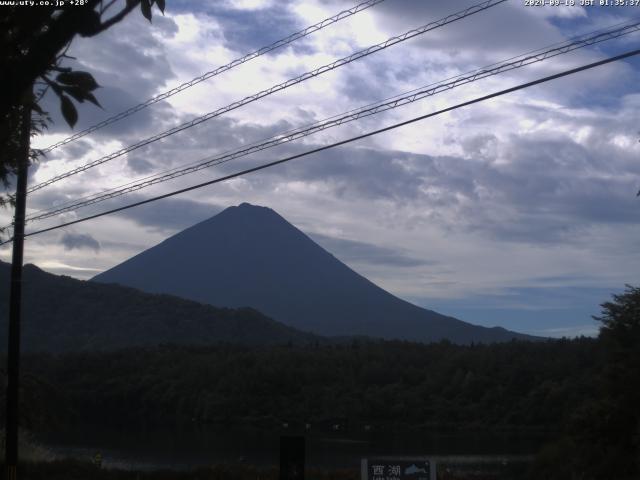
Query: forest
x,y
397,385
583,392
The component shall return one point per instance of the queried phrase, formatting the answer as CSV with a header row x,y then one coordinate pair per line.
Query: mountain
x,y
251,256
64,314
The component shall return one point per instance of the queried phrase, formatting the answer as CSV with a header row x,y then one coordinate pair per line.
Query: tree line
x,y
586,390
382,384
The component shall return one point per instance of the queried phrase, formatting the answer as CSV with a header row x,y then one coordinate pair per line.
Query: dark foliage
x,y
603,435
33,43
64,314
389,385
74,470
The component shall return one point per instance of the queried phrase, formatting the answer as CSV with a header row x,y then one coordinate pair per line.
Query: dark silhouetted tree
x,y
618,427
603,437
33,41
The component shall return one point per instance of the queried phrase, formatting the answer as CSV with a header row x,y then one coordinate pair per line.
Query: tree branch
x,y
44,47
103,9
116,18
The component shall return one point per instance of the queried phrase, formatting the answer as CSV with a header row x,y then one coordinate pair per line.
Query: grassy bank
x,y
77,470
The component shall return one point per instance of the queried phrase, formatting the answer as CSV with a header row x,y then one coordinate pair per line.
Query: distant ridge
x,y
250,256
62,314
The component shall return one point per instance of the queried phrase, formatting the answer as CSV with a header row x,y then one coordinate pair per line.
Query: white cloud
x,y
248,4
539,183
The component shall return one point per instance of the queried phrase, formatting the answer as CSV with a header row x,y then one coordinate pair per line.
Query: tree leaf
x,y
37,108
89,96
145,8
90,24
81,79
57,89
75,92
69,111
81,95
161,5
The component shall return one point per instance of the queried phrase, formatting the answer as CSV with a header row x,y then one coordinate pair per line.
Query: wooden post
x,y
292,457
15,299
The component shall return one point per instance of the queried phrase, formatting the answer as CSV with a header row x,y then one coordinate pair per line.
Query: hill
x,y
251,256
64,314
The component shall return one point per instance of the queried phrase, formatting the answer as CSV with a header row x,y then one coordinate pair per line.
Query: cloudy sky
x,y
520,211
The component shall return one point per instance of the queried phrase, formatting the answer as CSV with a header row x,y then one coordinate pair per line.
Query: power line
x,y
574,38
372,109
217,71
276,88
342,142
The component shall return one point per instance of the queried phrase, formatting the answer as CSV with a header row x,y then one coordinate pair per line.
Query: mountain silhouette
x,y
249,256
62,314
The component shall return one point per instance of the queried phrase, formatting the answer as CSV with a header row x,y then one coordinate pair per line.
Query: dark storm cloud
x,y
71,151
224,133
364,84
48,198
169,214
165,215
360,252
114,100
570,180
550,190
210,139
245,29
79,241
129,63
505,29
207,140
482,145
353,172
140,165
75,149
497,34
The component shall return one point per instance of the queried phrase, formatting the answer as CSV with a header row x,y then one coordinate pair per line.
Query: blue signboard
x,y
398,469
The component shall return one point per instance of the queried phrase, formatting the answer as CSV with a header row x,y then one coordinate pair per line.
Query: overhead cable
x,y
217,71
350,116
276,88
342,142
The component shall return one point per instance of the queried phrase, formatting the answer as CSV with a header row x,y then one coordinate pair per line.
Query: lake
x,y
185,448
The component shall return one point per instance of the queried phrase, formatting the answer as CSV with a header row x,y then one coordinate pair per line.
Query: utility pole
x,y
15,299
